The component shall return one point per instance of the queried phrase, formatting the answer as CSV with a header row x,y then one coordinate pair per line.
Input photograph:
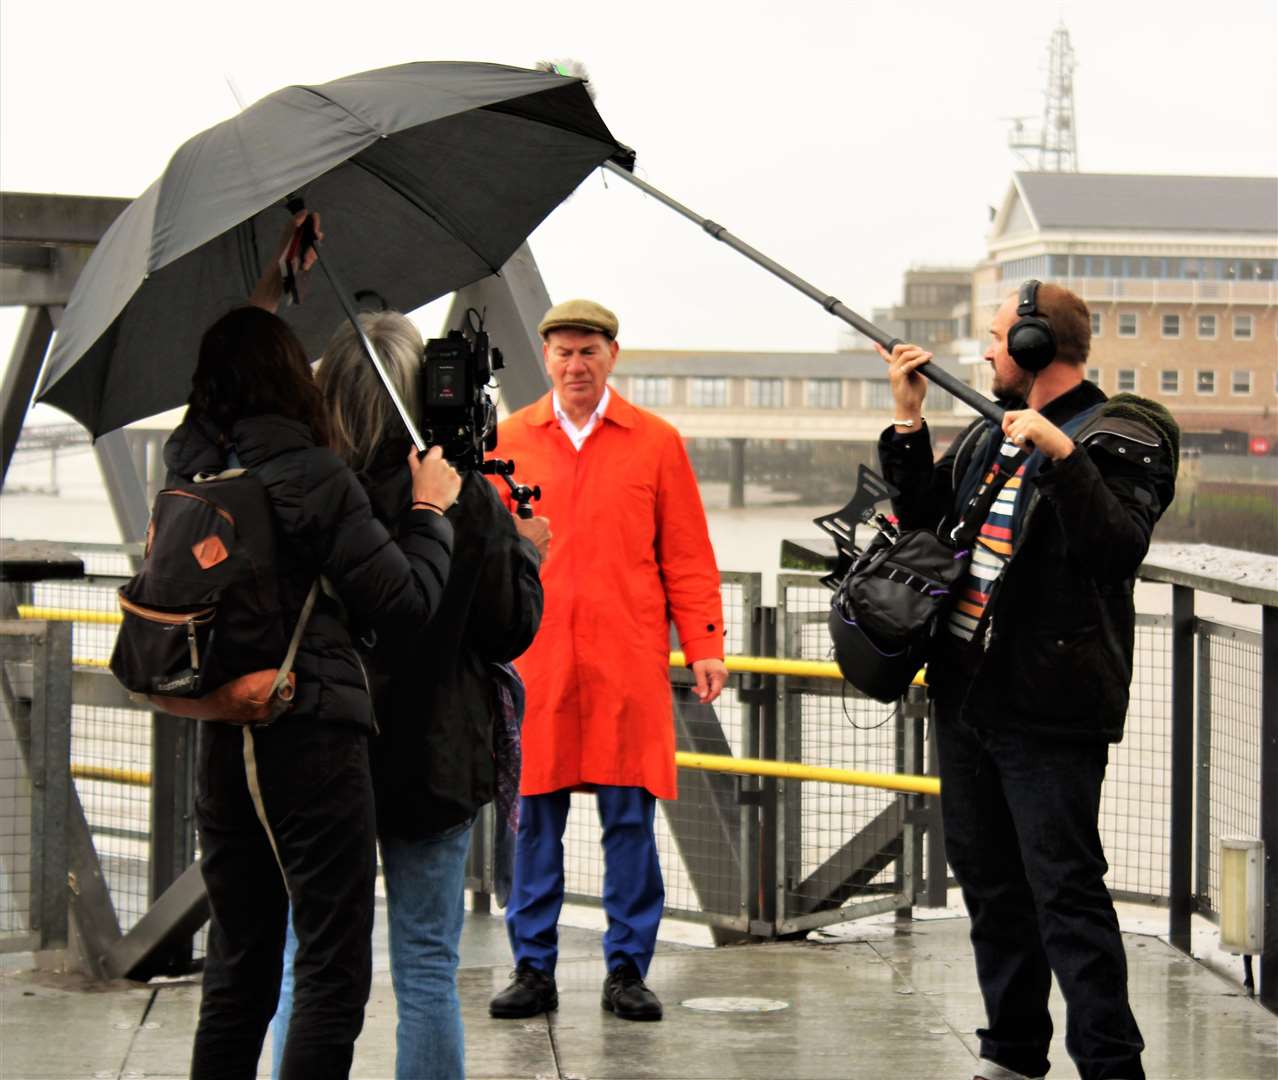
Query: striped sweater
x,y
991,549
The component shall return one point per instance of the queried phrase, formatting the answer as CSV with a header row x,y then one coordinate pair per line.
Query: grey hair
x,y
361,414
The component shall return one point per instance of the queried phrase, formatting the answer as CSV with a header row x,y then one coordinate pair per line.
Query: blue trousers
x,y
633,893
1020,816
425,906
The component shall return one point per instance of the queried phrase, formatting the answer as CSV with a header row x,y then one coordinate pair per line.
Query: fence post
x,y
172,824
50,771
1181,840
1269,801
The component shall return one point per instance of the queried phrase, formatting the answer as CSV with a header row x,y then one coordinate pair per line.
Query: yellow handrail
x,y
790,770
773,665
49,614
132,777
784,770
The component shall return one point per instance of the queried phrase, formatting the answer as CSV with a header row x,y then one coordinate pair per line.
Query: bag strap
x,y
978,509
282,675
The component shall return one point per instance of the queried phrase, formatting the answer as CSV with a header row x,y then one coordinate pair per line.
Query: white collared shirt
x,y
575,433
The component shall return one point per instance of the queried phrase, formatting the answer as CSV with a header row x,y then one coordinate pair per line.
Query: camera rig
x,y
457,412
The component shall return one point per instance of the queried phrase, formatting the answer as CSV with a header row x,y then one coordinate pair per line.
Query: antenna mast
x,y
1056,142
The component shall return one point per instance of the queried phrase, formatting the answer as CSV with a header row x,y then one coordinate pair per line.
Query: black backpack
x,y
203,632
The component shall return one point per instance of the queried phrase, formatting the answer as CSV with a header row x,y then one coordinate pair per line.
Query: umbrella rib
x,y
417,204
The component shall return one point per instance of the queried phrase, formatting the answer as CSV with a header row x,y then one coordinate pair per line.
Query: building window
x,y
1127,324
1206,382
1126,380
824,393
878,394
1207,326
1093,375
709,392
1240,383
1096,324
1242,327
765,393
1169,382
1171,326
650,390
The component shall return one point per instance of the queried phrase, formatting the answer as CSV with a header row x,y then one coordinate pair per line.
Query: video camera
x,y
456,410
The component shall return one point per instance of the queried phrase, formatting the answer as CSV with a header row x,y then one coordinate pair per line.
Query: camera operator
x,y
1030,678
437,692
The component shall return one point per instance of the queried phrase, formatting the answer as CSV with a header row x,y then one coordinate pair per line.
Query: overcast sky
x,y
847,139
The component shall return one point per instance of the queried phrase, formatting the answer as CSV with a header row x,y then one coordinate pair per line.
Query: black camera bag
x,y
897,593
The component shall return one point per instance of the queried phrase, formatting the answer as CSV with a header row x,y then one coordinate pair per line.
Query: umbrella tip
x,y
571,69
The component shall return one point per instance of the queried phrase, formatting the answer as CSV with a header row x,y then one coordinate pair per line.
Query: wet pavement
x,y
868,1000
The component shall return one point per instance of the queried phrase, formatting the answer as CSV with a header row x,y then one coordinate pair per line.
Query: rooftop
x,y
1231,204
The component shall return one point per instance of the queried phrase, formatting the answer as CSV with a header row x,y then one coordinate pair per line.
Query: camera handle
x,y
521,493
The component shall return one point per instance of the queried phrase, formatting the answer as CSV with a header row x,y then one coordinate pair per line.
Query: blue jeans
x,y
1020,815
633,892
425,904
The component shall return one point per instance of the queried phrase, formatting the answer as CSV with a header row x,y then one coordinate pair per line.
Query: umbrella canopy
x,y
427,176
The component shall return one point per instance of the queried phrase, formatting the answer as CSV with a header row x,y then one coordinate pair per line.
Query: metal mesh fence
x,y
839,842
837,845
1229,670
110,747
15,825
1135,819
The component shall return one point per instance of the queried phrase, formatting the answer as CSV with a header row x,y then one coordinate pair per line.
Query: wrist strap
x,y
428,505
908,423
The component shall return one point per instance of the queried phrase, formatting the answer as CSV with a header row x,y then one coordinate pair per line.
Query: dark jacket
x,y
436,699
326,527
1054,651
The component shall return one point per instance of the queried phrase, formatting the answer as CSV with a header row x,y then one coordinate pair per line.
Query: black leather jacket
x,y
1054,652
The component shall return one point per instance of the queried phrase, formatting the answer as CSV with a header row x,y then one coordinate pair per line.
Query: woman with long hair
x,y
285,811
439,691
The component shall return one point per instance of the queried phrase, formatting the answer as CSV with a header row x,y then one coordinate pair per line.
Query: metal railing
x,y
801,802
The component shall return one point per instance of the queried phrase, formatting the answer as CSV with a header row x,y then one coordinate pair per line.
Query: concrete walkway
x,y
875,1000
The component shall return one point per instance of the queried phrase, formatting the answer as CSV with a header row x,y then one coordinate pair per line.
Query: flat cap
x,y
579,315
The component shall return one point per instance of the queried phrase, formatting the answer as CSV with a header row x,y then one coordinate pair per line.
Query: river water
x,y
747,539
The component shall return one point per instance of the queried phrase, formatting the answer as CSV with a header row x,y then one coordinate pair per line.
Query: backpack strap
x,y
281,676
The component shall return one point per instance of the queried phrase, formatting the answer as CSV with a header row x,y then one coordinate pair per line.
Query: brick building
x,y
1179,273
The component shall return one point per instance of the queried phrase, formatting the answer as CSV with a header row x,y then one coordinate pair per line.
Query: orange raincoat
x,y
630,552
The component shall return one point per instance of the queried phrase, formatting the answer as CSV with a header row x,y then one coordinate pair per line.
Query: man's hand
x,y
269,289
908,386
1029,427
711,675
536,529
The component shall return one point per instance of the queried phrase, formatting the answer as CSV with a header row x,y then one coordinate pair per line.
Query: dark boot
x,y
625,994
530,992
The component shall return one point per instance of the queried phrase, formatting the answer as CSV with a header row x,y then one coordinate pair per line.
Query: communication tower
x,y
1055,143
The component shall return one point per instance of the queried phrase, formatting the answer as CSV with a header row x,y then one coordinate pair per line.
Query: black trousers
x,y
316,796
1020,815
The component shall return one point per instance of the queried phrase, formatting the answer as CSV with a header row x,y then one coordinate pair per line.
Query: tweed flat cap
x,y
579,315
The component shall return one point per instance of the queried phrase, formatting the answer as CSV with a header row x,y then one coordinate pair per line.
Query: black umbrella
x,y
428,177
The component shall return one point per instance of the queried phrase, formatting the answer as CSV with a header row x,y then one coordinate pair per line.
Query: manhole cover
x,y
735,1004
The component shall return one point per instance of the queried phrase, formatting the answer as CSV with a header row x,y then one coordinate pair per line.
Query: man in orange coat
x,y
631,553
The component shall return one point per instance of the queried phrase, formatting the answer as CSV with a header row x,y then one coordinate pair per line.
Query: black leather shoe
x,y
530,992
625,994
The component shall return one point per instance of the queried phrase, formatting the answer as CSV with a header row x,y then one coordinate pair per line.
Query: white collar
x,y
578,434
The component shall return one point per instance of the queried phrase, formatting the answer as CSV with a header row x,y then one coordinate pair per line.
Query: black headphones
x,y
1031,341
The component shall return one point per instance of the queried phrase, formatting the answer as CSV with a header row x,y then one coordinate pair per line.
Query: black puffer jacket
x,y
433,760
326,527
1054,651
